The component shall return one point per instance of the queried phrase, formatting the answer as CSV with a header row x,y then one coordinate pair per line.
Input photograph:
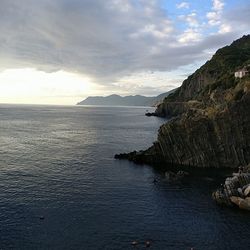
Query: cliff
x,y
210,116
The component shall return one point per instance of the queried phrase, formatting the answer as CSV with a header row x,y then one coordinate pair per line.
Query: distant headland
x,y
132,100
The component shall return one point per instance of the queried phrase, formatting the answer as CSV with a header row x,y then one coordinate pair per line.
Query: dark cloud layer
x,y
105,40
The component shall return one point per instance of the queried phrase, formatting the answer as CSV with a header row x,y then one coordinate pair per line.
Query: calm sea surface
x,y
60,187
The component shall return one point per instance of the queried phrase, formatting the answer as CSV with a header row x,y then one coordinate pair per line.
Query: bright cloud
x,y
225,28
189,36
214,17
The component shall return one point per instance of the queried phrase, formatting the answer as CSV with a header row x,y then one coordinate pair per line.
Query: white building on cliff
x,y
240,73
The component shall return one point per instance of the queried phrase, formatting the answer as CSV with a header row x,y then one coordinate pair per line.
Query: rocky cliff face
x,y
210,125
204,139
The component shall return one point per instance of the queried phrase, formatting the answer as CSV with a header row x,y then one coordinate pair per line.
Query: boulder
x,y
236,200
235,191
247,191
241,203
240,192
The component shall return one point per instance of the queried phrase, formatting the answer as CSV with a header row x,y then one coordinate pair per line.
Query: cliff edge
x,y
210,115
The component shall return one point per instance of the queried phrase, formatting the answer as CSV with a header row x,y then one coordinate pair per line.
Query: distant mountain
x,y
116,100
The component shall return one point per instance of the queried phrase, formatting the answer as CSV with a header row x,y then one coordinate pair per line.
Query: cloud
x,y
218,5
225,28
182,5
190,35
214,16
90,37
190,19
237,19
104,40
193,31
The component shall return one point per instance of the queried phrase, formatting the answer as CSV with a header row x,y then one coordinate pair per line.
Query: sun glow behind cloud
x,y
32,86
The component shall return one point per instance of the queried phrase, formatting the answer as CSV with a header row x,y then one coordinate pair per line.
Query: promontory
x,y
208,121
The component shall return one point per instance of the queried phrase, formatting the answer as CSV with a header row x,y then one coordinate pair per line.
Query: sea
x,y
61,188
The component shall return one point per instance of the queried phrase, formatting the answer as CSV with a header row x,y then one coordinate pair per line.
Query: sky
x,y
61,51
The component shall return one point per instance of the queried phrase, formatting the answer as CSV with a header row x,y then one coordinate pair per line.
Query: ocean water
x,y
60,187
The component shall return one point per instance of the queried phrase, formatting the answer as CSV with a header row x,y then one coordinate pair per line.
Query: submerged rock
x,y
172,176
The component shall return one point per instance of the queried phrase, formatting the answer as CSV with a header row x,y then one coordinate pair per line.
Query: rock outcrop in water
x,y
235,191
210,116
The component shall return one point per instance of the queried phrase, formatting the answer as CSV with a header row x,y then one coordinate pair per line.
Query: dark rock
x,y
172,176
155,181
140,157
150,114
